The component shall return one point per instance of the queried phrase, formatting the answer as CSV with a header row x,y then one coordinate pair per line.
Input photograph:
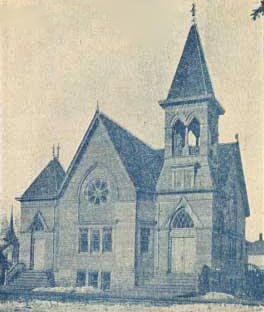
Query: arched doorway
x,y
37,244
182,243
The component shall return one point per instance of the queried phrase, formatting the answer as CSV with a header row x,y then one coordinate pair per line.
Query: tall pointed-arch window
x,y
182,220
194,137
178,138
37,224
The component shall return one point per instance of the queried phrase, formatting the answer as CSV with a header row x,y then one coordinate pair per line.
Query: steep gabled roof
x,y
142,163
225,154
47,183
192,77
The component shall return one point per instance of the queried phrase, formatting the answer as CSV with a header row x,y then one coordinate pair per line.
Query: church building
x,y
125,216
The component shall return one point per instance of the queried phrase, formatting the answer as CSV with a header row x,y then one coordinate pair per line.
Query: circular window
x,y
97,192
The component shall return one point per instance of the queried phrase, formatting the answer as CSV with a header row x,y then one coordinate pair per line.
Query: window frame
x,y
144,240
90,278
93,241
78,279
105,281
83,233
107,244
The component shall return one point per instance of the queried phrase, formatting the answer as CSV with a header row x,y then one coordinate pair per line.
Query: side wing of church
x,y
128,217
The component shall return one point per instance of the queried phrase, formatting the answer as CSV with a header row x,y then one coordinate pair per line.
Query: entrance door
x,y
183,254
39,253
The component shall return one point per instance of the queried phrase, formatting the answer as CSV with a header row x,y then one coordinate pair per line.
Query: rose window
x,y
97,192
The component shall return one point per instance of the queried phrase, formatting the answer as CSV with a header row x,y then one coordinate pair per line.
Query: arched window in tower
x,y
194,137
182,220
178,138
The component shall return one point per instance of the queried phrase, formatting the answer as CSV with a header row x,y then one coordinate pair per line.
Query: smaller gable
x,y
47,183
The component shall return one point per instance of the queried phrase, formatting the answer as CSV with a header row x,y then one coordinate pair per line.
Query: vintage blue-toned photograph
x,y
132,155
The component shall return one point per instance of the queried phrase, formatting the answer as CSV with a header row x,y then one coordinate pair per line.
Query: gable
x,y
142,163
46,184
97,158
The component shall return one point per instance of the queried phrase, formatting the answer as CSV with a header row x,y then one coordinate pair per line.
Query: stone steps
x,y
31,279
171,283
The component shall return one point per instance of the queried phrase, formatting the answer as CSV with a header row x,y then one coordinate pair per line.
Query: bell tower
x,y
191,122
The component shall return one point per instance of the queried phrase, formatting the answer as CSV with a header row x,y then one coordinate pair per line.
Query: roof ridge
x,y
199,46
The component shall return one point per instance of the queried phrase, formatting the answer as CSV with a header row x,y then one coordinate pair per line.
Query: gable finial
x,y
53,151
193,11
237,137
58,151
97,106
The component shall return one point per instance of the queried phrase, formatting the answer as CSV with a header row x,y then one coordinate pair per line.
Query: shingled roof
x,y
142,163
47,183
192,77
225,153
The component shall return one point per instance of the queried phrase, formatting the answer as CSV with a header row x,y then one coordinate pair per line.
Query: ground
x,y
52,306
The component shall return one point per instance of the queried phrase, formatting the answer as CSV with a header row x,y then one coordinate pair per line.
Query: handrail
x,y
16,268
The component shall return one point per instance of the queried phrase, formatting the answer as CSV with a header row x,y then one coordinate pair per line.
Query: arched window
x,y
182,220
194,136
178,138
37,224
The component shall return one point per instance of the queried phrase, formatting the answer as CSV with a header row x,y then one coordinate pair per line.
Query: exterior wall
x,y
28,211
146,207
229,202
74,212
200,209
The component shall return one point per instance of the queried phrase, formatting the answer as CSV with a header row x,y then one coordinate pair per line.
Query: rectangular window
x,y
95,241
144,240
105,280
80,279
83,240
107,240
93,279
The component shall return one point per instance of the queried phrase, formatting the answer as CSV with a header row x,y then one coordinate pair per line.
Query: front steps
x,y
171,285
30,279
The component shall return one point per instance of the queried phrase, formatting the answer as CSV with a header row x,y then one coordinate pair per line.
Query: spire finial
x,y
53,151
58,151
97,106
193,10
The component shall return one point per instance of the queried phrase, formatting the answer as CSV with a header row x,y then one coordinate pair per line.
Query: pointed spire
x,y
10,236
192,77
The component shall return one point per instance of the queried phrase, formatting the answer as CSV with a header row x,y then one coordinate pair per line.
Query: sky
x,y
58,58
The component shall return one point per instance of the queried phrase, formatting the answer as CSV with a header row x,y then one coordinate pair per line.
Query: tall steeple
x,y
191,109
192,77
